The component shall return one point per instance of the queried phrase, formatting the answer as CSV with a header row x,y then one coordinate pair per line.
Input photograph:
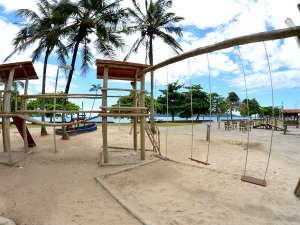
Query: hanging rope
x,y
241,59
167,112
209,106
273,114
192,113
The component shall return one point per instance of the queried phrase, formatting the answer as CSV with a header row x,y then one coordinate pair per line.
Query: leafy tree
x,y
268,112
254,107
200,102
154,22
95,88
86,19
233,102
49,105
218,105
42,27
175,99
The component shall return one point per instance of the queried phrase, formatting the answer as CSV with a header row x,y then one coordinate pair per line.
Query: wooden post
x,y
104,118
142,119
284,128
297,189
5,120
135,147
208,133
24,121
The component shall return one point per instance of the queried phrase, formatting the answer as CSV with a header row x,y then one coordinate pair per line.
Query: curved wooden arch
x,y
247,39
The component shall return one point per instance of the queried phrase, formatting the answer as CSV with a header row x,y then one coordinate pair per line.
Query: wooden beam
x,y
117,66
122,108
104,118
289,22
25,71
252,38
142,119
135,119
122,89
5,121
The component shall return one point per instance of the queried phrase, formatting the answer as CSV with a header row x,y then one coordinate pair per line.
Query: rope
x,y
247,110
209,106
192,114
273,114
167,112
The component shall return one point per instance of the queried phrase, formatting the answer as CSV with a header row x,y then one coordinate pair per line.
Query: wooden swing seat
x,y
161,157
254,180
205,163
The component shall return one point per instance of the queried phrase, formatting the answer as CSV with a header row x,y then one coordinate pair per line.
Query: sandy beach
x,y
60,188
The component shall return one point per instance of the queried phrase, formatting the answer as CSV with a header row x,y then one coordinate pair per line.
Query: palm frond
x,y
135,47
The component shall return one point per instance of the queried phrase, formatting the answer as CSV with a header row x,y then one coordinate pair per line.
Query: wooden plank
x,y
198,161
254,180
161,157
252,38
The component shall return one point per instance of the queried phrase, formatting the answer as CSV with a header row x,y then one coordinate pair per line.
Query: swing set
x,y
238,41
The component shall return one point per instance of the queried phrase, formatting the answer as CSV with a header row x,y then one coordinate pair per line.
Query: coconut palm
x,y
44,28
155,22
91,18
95,88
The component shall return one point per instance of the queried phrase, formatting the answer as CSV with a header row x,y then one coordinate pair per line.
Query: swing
x,y
249,179
191,158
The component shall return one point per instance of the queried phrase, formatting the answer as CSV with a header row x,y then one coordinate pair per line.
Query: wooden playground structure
x,y
106,70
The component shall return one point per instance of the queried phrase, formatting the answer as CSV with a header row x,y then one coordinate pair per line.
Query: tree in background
x,y
233,102
42,27
218,105
254,107
84,20
268,112
175,99
95,88
200,102
155,22
49,105
128,102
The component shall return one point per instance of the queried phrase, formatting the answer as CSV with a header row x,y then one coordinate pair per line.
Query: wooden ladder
x,y
156,145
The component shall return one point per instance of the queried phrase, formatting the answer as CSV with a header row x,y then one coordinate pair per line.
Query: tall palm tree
x,y
95,88
86,18
155,22
44,28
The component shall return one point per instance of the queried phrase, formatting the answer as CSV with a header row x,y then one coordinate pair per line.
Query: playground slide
x,y
19,124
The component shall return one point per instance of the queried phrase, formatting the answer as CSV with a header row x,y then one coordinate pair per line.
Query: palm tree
x,y
86,18
95,88
45,29
155,22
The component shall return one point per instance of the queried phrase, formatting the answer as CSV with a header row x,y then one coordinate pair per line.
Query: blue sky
x,y
206,22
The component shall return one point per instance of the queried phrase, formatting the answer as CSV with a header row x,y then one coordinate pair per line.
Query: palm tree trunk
x,y
43,127
152,84
64,132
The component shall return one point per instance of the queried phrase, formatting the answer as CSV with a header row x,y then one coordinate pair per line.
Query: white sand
x,y
59,188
